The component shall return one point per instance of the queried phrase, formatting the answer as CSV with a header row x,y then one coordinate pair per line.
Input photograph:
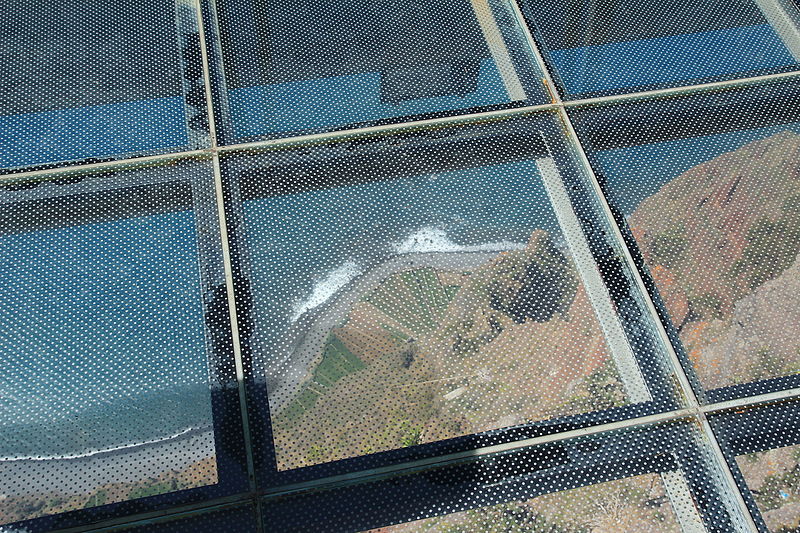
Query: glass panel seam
x,y
684,385
153,517
396,127
226,259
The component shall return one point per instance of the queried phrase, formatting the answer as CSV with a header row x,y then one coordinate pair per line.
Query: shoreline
x,y
107,451
308,334
131,464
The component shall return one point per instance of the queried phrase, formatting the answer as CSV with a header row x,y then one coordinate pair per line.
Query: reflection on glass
x,y
417,309
332,64
636,504
603,46
104,391
717,219
87,79
773,476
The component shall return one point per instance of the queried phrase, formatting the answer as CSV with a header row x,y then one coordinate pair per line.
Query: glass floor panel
x,y
762,446
400,265
599,47
658,478
397,304
214,521
774,478
637,504
295,67
105,378
90,80
713,208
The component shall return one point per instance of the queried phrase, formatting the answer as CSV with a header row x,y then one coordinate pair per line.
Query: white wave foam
x,y
433,240
92,453
325,289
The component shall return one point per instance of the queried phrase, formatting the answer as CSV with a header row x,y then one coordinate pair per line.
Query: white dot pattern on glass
x,y
765,462
714,210
85,80
306,66
772,476
421,313
605,47
105,383
669,483
228,519
402,306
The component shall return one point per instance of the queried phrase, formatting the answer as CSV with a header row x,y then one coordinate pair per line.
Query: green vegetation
x,y
153,490
772,247
422,367
416,299
98,498
29,506
337,362
706,306
667,248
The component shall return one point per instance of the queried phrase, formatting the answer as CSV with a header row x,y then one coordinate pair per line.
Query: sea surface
x,y
101,336
339,100
94,131
671,59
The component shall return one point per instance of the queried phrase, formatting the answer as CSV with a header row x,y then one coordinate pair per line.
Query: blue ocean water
x,y
341,100
305,246
635,173
96,131
671,59
101,335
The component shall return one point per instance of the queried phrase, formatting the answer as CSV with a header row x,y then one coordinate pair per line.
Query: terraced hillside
x,y
433,353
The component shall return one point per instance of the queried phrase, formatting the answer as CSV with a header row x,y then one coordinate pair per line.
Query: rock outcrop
x,y
713,238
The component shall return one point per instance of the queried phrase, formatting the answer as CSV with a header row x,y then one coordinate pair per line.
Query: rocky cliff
x,y
721,241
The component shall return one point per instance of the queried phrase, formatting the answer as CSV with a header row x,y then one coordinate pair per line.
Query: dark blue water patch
x,y
635,173
299,242
672,59
341,100
92,132
100,316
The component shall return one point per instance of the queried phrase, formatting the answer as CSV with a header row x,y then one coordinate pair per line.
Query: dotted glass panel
x,y
105,375
644,479
773,477
714,208
305,66
88,80
436,325
235,520
421,289
762,448
606,46
637,504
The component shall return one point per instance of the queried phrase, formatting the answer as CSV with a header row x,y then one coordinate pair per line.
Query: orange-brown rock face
x,y
717,240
